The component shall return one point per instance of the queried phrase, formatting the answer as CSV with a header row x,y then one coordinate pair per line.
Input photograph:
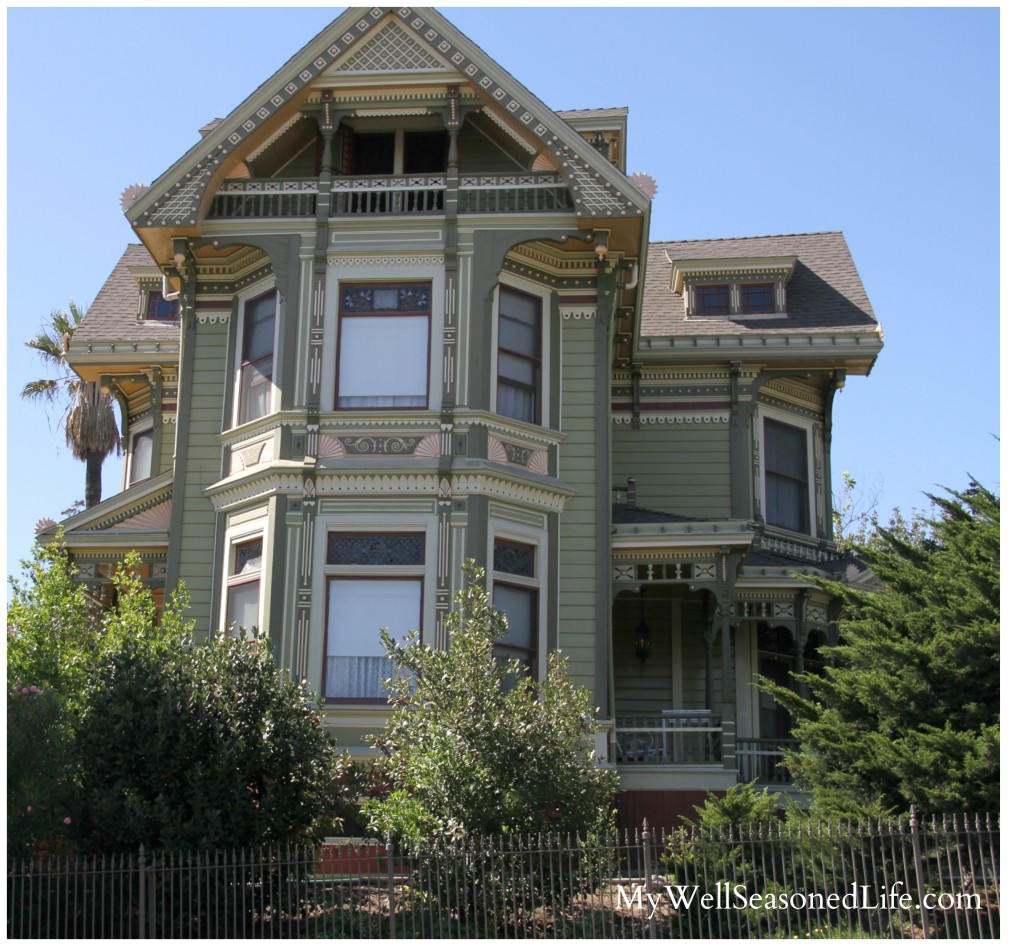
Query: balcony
x,y
391,195
673,737
760,760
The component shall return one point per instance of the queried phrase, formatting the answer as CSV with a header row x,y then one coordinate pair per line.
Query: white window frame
x,y
807,426
545,373
243,535
244,299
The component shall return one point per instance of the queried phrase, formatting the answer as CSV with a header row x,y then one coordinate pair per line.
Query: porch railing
x,y
760,760
391,194
673,737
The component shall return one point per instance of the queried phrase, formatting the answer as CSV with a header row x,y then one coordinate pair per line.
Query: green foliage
x,y
205,747
40,805
473,747
53,629
143,735
907,712
740,805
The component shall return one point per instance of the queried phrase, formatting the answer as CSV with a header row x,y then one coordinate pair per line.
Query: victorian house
x,y
393,313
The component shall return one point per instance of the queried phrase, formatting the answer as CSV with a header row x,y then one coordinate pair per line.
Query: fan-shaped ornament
x,y
645,184
43,524
131,194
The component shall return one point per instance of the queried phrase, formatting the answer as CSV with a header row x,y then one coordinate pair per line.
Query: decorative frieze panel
x,y
715,417
333,446
251,454
654,571
503,451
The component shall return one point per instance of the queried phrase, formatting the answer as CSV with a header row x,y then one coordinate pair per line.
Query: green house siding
x,y
581,557
679,468
203,459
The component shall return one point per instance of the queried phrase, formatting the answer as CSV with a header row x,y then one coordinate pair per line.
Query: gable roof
x,y
425,42
824,293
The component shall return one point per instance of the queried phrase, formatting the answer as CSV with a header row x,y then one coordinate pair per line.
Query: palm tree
x,y
90,427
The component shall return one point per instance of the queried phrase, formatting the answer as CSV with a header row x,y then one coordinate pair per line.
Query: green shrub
x,y
200,745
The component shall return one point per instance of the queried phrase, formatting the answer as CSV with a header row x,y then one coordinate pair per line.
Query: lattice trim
x,y
391,50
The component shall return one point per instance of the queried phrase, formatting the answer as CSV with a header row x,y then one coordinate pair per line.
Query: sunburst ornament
x,y
645,184
43,524
131,194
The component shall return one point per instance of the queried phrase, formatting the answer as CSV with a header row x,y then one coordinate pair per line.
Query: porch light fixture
x,y
642,633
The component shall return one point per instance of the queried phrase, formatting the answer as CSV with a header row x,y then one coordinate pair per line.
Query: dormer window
x,y
159,309
753,288
712,300
757,298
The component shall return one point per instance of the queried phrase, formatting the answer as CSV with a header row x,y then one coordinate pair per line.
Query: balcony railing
x,y
391,194
674,737
513,193
387,195
760,760
278,198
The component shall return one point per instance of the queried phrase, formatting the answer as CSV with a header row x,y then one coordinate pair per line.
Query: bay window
x,y
786,478
242,598
383,346
141,459
516,593
519,355
359,604
259,324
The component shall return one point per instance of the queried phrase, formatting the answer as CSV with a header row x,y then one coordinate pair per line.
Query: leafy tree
x,y
201,744
55,636
90,427
907,711
133,731
475,747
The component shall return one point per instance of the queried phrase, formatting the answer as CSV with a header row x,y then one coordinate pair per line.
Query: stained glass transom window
x,y
514,558
347,548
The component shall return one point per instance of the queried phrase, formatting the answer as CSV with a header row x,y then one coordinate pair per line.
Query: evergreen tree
x,y
907,710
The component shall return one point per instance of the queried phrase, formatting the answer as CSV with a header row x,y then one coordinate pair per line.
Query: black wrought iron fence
x,y
936,878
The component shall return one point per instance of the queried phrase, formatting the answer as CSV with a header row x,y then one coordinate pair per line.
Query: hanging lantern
x,y
642,634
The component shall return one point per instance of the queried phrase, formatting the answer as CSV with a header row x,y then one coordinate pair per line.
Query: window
x,y
141,456
756,298
359,605
373,153
242,610
159,309
383,346
712,300
513,562
786,492
519,355
259,323
401,152
426,152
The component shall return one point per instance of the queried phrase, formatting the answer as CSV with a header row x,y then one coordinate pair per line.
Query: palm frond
x,y
91,426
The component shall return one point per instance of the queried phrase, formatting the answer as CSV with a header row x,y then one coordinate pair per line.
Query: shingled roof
x,y
824,293
113,315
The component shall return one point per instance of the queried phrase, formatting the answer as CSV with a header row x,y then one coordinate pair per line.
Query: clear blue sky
x,y
882,123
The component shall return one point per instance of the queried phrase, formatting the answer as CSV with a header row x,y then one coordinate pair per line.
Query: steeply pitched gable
x,y
379,43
